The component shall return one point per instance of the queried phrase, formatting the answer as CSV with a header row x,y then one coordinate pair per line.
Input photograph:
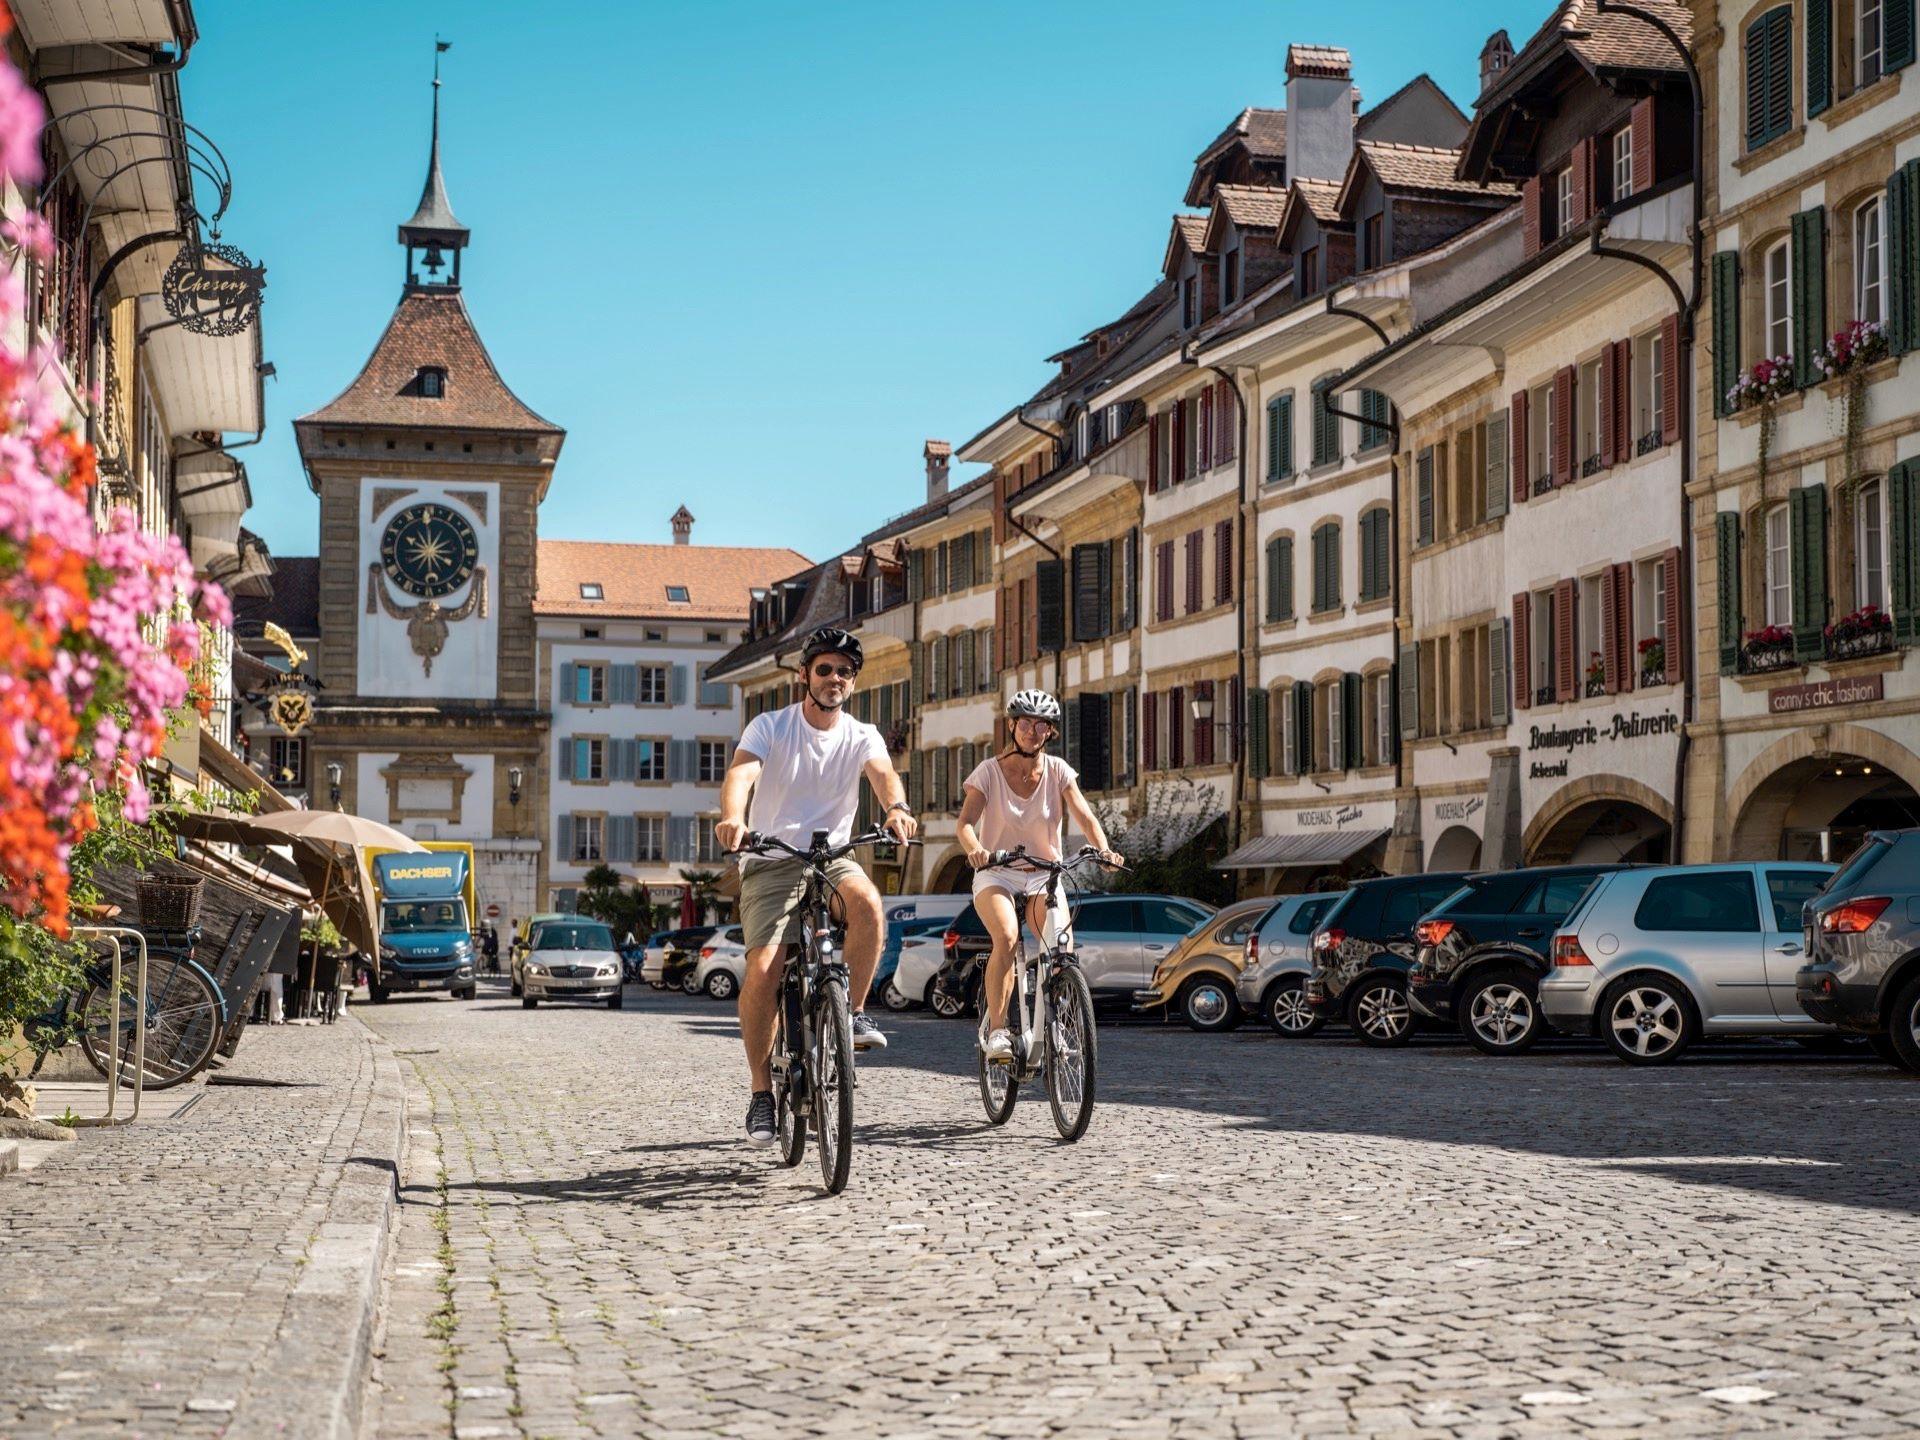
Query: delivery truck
x,y
427,905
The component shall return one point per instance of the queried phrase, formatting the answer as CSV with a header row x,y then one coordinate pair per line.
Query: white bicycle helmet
x,y
1035,703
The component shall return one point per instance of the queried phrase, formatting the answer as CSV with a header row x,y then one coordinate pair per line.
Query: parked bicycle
x,y
813,1028
1051,1014
186,1014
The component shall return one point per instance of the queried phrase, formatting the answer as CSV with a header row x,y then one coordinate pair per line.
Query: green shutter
x,y
1726,326
1819,56
1727,535
1903,564
1302,727
1354,712
1423,498
1497,477
1896,35
1807,519
1280,437
1903,258
1257,733
1809,292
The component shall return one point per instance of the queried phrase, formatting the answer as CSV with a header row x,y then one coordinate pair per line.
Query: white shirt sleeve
x,y
876,748
757,739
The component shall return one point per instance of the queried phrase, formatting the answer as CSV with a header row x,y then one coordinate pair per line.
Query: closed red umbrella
x,y
687,917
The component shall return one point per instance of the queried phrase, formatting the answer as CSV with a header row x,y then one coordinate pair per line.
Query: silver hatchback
x,y
1273,982
1653,959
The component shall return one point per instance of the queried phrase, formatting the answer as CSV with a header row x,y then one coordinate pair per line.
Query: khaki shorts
x,y
770,896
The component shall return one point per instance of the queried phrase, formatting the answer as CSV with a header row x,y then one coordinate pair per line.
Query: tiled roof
x,y
634,578
1327,61
430,328
1321,199
1256,207
294,604
1193,230
825,599
1262,132
1424,167
1609,41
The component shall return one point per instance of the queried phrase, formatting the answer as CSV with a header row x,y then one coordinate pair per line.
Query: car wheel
x,y
466,994
893,997
527,1002
1883,1046
1648,1020
1207,1003
616,1002
691,984
1379,1014
721,985
1499,1013
1904,1031
378,994
1289,1013
946,1006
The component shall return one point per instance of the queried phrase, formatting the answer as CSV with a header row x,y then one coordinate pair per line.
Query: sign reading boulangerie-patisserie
x,y
1824,694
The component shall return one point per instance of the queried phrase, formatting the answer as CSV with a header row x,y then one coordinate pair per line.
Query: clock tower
x,y
430,473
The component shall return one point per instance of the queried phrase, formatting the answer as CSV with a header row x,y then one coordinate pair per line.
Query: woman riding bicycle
x,y
1018,799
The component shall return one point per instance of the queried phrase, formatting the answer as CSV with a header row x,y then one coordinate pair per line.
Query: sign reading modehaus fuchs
x,y
1824,694
1567,740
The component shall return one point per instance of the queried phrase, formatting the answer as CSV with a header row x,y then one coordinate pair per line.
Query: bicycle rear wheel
x,y
833,1083
185,1016
1072,1056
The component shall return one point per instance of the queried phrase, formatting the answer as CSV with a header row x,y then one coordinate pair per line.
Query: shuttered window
x,y
1375,559
1726,327
1769,59
1326,428
1280,437
1257,737
1092,591
1903,548
1423,497
1279,579
1050,583
1223,566
1496,461
1374,412
1819,15
1727,588
1807,518
1326,567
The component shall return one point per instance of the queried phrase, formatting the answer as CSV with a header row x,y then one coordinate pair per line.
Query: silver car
x,y
571,959
1653,959
1273,983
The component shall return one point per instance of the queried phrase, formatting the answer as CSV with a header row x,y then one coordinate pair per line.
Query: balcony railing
x,y
1763,658
1859,644
1648,443
1545,695
1589,466
1596,685
1542,484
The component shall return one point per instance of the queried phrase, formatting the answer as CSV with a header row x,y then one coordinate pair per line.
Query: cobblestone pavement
x,y
214,1272
1257,1237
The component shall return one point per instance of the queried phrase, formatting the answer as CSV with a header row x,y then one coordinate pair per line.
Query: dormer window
x,y
1230,276
677,595
590,590
1310,270
431,382
1190,302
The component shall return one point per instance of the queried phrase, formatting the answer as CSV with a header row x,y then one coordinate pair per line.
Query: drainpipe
x,y
1059,651
163,65
1688,307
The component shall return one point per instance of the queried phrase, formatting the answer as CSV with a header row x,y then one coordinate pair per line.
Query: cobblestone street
x,y
1256,1237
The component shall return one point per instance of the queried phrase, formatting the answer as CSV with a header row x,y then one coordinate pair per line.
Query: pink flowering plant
x,y
1852,347
1768,380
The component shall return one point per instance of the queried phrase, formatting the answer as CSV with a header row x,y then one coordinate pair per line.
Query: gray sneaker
x,y
760,1127
866,1034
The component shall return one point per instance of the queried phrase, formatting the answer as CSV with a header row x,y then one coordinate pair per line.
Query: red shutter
x,y
1582,163
1223,562
1226,420
1623,399
1610,406
1163,580
1670,380
1563,426
1642,146
1676,639
1517,433
1522,667
1203,729
1176,727
1566,666
1624,657
1609,650
1155,480
1530,218
1192,588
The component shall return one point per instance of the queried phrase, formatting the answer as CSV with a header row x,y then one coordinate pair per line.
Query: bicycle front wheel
x,y
185,1016
999,1083
1072,1053
833,1083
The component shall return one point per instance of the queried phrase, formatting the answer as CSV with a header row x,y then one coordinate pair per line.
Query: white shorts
x,y
1019,882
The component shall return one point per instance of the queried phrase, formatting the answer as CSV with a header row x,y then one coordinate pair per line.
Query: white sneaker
x,y
999,1045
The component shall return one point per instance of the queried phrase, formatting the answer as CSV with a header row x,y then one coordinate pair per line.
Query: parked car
x,y
1273,977
571,959
1653,959
1479,954
672,954
1198,980
923,934
720,965
1364,948
1862,936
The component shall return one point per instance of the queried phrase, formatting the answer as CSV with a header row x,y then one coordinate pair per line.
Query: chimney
x,y
682,526
939,455
1320,110
1495,57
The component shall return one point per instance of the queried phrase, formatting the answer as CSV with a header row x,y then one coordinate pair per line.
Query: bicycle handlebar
x,y
754,843
1019,856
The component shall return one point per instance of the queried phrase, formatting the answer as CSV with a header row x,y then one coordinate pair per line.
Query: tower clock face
x,y
429,551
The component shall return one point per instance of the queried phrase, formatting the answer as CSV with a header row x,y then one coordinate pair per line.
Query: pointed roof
x,y
430,329
433,219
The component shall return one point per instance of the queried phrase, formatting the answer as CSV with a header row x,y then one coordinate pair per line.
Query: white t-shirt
x,y
809,777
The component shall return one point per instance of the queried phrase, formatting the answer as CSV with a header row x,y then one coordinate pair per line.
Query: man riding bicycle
x,y
1018,799
802,766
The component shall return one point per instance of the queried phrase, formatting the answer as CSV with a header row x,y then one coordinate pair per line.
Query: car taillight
x,y
1331,939
950,942
1432,932
1253,950
706,952
1854,916
1567,952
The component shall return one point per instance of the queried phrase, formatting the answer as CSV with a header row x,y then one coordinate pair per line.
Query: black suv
x,y
1364,948
1862,933
1479,955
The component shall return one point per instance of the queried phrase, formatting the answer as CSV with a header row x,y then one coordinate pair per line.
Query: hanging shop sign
x,y
213,289
1567,739
1824,694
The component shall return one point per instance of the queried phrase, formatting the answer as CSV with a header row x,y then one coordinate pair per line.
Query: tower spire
x,y
434,228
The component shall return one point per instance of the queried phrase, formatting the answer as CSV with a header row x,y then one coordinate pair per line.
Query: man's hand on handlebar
x,y
728,835
902,826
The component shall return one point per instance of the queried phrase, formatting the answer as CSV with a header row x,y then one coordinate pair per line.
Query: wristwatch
x,y
902,806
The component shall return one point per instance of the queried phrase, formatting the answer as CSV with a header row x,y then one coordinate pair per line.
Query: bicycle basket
x,y
167,902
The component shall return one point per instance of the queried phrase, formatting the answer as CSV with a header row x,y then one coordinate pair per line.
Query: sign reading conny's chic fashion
x,y
1825,694
1623,727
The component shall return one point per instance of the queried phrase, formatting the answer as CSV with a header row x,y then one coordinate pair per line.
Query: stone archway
x,y
1600,817
954,877
1791,786
1458,848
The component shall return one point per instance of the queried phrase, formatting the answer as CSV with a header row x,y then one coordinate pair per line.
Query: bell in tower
x,y
434,231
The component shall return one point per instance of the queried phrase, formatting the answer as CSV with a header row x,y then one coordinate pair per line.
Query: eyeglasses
x,y
1031,721
841,672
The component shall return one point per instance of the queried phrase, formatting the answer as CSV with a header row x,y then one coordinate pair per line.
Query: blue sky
x,y
749,255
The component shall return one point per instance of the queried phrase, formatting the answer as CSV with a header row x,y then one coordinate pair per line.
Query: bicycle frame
x,y
805,966
1056,949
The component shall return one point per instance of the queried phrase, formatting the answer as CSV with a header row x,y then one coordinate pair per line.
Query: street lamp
x,y
334,774
515,775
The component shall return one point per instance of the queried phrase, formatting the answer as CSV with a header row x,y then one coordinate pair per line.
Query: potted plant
x,y
1866,631
1768,648
1653,661
1763,385
1846,356
1596,674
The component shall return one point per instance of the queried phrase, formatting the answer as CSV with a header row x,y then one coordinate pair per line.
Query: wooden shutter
x,y
1625,651
1623,393
1581,162
1050,585
1163,580
1070,731
1517,439
1129,710
563,759
1563,426
1499,671
1769,54
1279,578
1819,15
1205,446
1407,678
1522,651
1382,553
1096,760
1130,582
1203,730
1809,320
1087,623
1896,43
1726,526
1177,723
1609,625
1223,562
1676,634
1302,727
1566,666
1226,422
1150,733
563,838
1354,710
1497,461
1530,198
1807,521
1642,145
1178,470
1156,479
1902,218
1610,406
1196,559
1726,328
1670,380
1423,497
1337,724
1280,437
1257,737
568,683
677,685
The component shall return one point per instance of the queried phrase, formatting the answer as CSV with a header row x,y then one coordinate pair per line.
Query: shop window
x,y
1869,264
1870,546
1777,295
1779,567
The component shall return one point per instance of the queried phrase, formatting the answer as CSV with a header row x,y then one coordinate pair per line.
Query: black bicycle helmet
x,y
831,640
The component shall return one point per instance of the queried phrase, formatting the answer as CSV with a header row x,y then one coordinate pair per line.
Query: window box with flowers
x,y
1767,649
1867,631
1845,357
1653,661
1596,675
1763,386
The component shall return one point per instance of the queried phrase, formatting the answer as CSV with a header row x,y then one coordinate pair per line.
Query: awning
x,y
1278,852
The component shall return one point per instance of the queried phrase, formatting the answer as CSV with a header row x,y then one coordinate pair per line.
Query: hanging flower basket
x,y
1653,661
1763,385
1596,675
1867,631
1845,357
1768,648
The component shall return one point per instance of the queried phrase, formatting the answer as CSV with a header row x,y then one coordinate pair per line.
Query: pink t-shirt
x,y
1033,822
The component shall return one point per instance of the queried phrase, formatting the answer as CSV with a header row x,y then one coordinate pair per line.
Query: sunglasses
x,y
839,672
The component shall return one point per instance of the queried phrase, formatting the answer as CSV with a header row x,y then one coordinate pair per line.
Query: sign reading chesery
x,y
1821,695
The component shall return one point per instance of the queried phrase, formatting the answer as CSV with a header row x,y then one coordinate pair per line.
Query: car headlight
x,y
609,970
533,969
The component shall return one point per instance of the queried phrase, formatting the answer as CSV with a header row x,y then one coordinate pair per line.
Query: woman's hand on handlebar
x,y
1112,859
980,857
